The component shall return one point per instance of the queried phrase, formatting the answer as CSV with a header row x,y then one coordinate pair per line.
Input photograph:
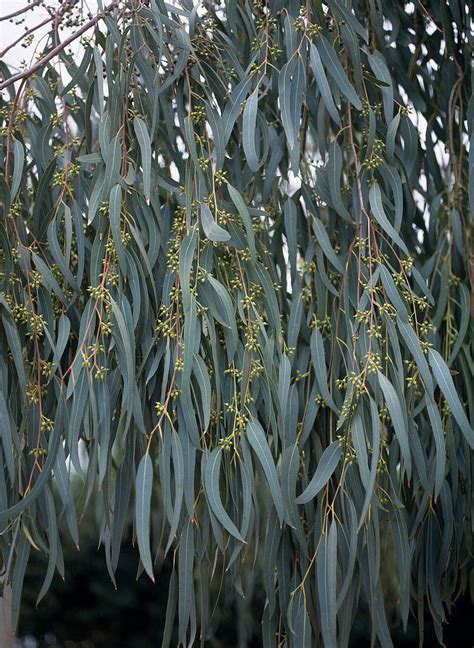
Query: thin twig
x,y
42,62
21,11
25,34
55,16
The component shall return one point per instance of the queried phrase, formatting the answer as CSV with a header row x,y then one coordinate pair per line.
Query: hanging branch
x,y
22,10
25,35
223,309
56,50
56,16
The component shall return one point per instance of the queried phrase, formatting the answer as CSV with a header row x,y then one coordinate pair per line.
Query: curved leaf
x,y
143,487
211,485
256,438
326,466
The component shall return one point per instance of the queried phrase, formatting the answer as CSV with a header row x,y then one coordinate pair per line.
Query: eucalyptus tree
x,y
235,306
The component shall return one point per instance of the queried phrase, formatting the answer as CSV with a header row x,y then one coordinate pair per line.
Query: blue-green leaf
x,y
178,469
463,324
115,211
202,375
414,347
53,538
185,579
290,91
324,242
444,379
19,161
437,428
217,128
375,447
143,489
113,160
145,150
346,14
398,419
326,572
90,158
186,259
334,170
326,466
335,69
380,69
249,130
257,439
7,438
393,294
211,485
323,85
233,107
318,358
245,216
212,230
23,549
375,198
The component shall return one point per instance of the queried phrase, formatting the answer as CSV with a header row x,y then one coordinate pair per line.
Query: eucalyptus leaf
x,y
235,312
143,487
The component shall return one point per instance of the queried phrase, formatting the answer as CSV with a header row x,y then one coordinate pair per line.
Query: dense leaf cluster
x,y
235,301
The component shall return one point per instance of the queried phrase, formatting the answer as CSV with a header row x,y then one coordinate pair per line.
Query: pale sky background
x,y
9,32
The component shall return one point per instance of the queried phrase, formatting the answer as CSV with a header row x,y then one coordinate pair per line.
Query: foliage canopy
x,y
235,303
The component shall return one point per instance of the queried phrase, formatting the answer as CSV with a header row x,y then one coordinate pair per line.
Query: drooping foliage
x,y
235,304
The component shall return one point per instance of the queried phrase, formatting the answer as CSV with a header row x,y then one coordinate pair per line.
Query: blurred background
x,y
85,611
